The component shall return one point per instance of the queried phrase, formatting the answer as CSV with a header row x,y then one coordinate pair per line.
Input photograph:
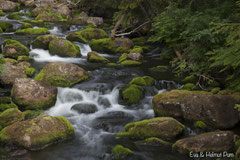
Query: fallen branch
x,y
117,25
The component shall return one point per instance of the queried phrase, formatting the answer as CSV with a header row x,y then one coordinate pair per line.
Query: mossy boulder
x,y
26,25
153,141
137,49
190,79
132,94
135,56
95,57
62,74
32,94
37,133
219,141
165,128
64,48
127,63
30,71
2,13
122,58
6,26
30,114
12,70
51,17
119,152
9,117
87,34
118,45
1,31
8,6
214,110
143,81
43,41
4,107
13,49
15,16
33,31
5,100
24,58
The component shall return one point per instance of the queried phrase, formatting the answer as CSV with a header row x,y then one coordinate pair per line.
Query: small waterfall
x,y
55,30
85,48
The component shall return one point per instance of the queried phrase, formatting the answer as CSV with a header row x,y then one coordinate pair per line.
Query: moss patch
x,y
143,81
119,152
130,63
132,94
30,71
95,57
200,124
5,100
2,13
137,50
30,114
33,31
15,15
155,142
24,58
189,86
13,49
122,58
26,25
6,26
10,116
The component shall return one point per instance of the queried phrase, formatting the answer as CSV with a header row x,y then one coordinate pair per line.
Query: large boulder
x,y
12,70
220,141
10,116
215,110
118,45
165,128
43,41
62,74
14,49
8,5
87,34
64,48
37,133
95,57
33,94
83,19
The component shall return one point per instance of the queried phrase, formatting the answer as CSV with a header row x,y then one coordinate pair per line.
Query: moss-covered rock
x,y
4,107
5,100
119,152
13,49
30,114
132,94
122,58
153,141
33,31
130,63
189,86
64,48
43,41
24,58
26,25
15,15
215,90
190,79
37,133
9,117
95,57
165,128
143,81
1,31
2,13
200,124
220,141
51,17
118,45
111,64
198,106
62,74
87,34
6,26
30,71
32,94
135,56
137,49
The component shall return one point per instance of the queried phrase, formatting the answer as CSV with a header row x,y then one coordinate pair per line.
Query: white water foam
x,y
55,30
41,55
85,48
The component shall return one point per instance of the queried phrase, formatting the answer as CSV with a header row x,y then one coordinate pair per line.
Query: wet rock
x,y
165,128
72,97
8,6
83,19
64,48
43,41
14,49
132,94
118,45
11,71
37,133
28,3
220,141
33,94
104,102
214,110
95,57
135,56
62,74
9,117
87,34
86,108
33,31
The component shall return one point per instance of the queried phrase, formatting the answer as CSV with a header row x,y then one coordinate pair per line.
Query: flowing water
x,y
94,133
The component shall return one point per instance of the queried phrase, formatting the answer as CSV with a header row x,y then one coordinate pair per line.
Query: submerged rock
x,y
214,110
165,128
118,45
95,57
43,41
33,94
220,141
14,49
37,133
64,48
86,108
62,74
87,34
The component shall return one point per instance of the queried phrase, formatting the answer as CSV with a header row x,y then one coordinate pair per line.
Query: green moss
x,y
49,16
111,64
30,71
119,152
19,47
130,63
87,34
2,13
10,116
43,41
132,94
15,15
189,86
33,31
26,25
30,114
137,50
190,79
215,90
95,57
123,57
6,26
200,124
67,124
1,31
24,58
5,100
143,81
155,141
160,67
140,41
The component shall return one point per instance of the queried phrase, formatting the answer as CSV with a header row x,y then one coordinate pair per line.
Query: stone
x,y
86,108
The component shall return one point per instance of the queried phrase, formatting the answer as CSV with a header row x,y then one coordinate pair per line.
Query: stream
x,y
94,133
